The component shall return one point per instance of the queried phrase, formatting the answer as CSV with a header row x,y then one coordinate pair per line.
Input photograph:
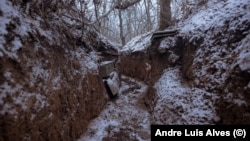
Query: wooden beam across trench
x,y
165,33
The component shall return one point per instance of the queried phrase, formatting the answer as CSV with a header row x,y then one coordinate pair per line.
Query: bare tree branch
x,y
126,4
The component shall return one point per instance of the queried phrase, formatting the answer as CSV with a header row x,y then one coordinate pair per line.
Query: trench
x,y
123,118
161,96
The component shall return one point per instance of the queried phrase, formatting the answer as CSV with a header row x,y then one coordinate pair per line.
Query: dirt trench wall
x,y
134,64
199,69
48,90
45,96
231,84
50,86
56,104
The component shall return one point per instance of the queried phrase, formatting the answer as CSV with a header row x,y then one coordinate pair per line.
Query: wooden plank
x,y
111,53
165,33
161,36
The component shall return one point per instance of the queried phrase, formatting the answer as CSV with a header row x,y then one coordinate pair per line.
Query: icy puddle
x,y
123,118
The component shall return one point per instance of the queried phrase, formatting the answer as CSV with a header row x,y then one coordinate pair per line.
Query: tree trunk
x,y
96,4
121,28
165,14
147,7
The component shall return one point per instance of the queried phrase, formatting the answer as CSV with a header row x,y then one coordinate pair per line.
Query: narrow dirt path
x,y
124,118
127,118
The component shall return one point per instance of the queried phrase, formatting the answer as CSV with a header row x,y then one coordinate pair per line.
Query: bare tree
x,y
121,28
147,4
118,20
97,4
165,14
126,4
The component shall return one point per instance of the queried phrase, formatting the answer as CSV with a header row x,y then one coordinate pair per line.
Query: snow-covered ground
x,y
139,43
179,103
220,25
228,12
222,35
122,118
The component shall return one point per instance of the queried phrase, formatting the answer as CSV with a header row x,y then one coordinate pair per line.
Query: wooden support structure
x,y
106,68
165,33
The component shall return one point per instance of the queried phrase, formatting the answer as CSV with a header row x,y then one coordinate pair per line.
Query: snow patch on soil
x,y
180,104
139,43
20,98
124,114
